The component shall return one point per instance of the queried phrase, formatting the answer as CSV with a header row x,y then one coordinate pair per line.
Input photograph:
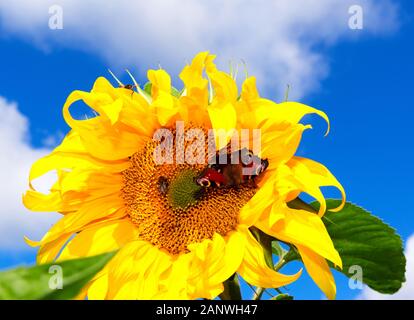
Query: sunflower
x,y
176,239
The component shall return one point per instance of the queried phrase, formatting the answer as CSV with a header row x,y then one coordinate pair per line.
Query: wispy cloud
x,y
15,161
281,40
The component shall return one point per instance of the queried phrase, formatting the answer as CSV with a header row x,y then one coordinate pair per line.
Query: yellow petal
x,y
213,262
98,288
106,237
138,115
225,87
96,182
249,90
295,111
135,271
257,205
280,142
69,153
64,159
192,76
160,81
40,202
163,101
93,211
196,111
73,189
49,251
319,271
174,282
313,176
166,109
99,136
129,107
291,112
255,270
305,229
223,120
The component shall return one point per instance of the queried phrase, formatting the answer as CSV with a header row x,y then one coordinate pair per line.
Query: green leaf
x,y
366,241
282,296
174,91
231,289
363,240
42,281
148,88
266,242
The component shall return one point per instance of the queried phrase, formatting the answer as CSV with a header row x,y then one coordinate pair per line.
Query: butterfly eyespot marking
x,y
204,182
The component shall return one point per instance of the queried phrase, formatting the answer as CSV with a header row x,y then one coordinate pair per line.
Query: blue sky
x,y
365,86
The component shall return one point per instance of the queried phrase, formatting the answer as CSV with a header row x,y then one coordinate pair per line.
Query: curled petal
x,y
108,141
313,175
255,270
305,229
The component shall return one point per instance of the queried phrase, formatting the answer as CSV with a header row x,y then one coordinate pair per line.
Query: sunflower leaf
x,y
365,243
52,281
283,296
231,289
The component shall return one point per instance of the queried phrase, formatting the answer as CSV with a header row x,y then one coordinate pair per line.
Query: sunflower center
x,y
170,209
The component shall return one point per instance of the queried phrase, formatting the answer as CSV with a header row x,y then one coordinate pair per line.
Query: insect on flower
x,y
125,86
240,167
163,185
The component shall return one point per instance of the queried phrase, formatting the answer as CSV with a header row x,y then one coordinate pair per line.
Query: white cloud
x,y
281,40
407,290
15,161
